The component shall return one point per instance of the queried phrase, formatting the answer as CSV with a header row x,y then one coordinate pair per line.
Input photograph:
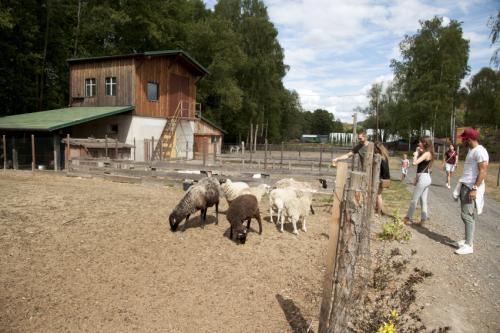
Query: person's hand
x,y
472,195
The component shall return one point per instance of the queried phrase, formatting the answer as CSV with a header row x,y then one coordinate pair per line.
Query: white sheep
x,y
294,210
257,191
277,199
232,190
296,188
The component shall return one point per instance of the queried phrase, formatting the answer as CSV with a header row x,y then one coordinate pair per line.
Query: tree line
x,y
426,92
236,42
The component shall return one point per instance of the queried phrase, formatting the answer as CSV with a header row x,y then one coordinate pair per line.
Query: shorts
x,y
404,171
450,167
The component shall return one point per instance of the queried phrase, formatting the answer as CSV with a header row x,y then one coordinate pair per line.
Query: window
x,y
113,129
152,91
110,84
90,87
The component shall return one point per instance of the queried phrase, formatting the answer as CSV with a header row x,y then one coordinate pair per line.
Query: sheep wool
x,y
257,191
294,210
232,189
243,208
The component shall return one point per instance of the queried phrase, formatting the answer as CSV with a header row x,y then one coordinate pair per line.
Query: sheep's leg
x,y
280,216
217,213
248,223
304,227
294,222
311,208
282,221
270,213
203,215
260,223
231,232
186,221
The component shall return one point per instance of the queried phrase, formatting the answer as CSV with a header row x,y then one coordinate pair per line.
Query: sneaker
x,y
465,249
448,185
459,244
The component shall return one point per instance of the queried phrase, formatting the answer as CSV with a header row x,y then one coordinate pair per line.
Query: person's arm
x,y
483,168
417,160
343,157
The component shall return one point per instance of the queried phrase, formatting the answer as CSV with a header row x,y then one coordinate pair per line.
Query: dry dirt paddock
x,y
89,255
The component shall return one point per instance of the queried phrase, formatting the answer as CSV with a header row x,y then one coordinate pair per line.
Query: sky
x,y
337,49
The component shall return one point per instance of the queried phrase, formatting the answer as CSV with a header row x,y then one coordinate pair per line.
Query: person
x,y
361,149
471,187
422,158
450,159
405,163
384,175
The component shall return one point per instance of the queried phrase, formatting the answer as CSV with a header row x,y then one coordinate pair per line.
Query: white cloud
x,y
475,37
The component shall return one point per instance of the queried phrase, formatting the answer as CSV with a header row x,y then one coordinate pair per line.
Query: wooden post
x,y
281,159
348,252
331,254
106,146
152,148
116,148
255,138
265,154
187,150
204,151
160,142
14,154
4,143
68,153
215,152
57,144
33,161
320,156
145,147
134,148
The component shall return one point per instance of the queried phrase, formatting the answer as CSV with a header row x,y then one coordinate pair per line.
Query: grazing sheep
x,y
294,210
302,188
232,189
199,196
257,191
277,199
243,208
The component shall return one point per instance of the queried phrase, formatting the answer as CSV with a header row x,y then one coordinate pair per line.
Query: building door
x,y
179,91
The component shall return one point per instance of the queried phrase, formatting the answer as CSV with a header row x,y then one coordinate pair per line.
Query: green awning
x,y
56,119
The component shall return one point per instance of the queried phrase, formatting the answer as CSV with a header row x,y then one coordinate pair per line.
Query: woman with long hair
x,y
384,175
422,158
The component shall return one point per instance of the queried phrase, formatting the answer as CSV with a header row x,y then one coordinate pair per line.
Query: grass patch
x,y
394,229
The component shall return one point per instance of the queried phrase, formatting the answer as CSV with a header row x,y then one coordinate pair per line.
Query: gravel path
x,y
464,290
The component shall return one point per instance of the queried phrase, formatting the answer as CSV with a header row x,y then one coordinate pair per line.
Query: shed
x,y
98,148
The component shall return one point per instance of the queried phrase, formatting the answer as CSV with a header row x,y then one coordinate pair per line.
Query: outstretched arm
x,y
343,157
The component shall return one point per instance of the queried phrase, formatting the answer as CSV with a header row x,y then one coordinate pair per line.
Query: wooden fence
x,y
348,256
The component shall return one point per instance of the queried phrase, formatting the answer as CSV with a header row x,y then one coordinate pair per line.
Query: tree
x,y
494,24
483,100
434,62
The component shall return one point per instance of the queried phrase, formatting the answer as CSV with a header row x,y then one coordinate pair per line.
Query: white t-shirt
x,y
471,170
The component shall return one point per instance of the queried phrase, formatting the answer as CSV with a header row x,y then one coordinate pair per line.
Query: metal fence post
x,y
14,154
106,145
68,153
33,162
4,152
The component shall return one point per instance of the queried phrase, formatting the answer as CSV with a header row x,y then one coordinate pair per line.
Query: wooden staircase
x,y
165,147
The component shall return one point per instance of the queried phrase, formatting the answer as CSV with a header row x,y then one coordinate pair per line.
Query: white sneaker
x,y
459,244
448,186
465,249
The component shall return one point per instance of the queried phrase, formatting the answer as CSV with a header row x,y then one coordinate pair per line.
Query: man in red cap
x,y
471,187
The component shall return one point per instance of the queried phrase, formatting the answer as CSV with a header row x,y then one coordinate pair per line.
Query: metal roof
x,y
56,119
150,54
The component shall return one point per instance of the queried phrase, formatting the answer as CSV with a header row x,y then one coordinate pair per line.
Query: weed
x,y
394,229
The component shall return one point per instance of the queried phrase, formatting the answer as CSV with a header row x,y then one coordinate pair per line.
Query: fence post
x,y
320,156
160,142
68,153
106,145
33,161
265,155
57,143
204,151
215,152
348,251
134,148
281,159
187,150
152,148
331,254
4,153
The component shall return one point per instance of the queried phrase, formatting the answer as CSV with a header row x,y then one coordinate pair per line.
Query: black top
x,y
384,169
423,167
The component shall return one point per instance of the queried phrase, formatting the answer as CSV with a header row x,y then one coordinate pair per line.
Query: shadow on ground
x,y
293,315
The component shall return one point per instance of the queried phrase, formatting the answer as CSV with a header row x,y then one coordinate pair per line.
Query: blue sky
x,y
337,49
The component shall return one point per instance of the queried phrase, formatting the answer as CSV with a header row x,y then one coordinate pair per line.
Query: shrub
x,y
394,229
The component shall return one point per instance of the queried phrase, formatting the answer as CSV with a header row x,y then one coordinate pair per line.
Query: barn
x,y
146,100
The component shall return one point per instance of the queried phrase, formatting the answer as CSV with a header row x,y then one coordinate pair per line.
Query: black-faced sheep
x,y
200,196
243,208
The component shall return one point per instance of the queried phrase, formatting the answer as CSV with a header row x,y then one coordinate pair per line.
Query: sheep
x,y
277,199
257,191
302,189
199,196
232,189
295,209
243,208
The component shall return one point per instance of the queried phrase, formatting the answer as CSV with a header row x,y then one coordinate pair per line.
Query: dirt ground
x,y
88,255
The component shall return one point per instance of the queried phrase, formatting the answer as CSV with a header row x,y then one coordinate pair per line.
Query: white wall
x,y
185,133
143,128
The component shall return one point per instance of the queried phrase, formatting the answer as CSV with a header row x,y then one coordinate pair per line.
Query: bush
x,y
394,229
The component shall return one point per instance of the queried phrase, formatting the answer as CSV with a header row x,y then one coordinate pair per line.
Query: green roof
x,y
56,119
150,54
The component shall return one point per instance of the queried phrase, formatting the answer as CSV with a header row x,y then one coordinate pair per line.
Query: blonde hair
x,y
380,149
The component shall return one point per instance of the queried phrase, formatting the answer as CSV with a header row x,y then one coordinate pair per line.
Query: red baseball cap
x,y
469,133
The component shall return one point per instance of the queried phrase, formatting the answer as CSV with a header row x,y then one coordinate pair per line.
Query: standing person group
x,y
422,158
450,163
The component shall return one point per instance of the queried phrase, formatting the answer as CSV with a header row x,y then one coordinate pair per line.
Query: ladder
x,y
166,144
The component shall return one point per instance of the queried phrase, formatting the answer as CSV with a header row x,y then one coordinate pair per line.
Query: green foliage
x,y
394,229
494,24
236,41
483,100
